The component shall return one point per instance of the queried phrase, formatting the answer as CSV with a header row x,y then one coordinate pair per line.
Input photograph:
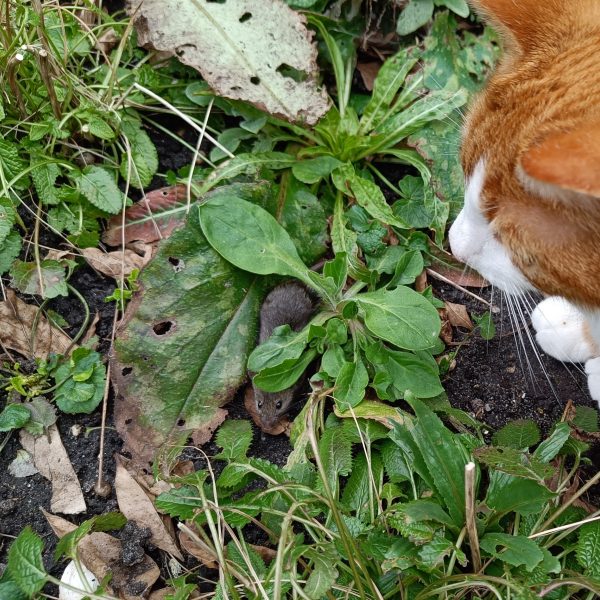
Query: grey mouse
x,y
288,304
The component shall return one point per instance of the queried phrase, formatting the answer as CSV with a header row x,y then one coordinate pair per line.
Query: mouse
x,y
287,304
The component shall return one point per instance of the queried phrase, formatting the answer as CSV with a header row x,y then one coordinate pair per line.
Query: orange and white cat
x,y
531,157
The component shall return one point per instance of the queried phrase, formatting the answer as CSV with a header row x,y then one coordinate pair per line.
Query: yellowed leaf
x,y
113,264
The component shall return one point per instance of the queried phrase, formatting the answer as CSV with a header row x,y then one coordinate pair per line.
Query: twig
x,y
565,527
470,515
436,275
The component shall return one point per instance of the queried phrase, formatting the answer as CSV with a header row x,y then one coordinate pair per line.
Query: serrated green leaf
x,y
25,566
335,451
14,416
324,572
100,128
432,553
7,218
182,502
234,439
357,493
586,418
44,177
588,548
9,250
99,188
518,434
144,159
516,549
485,322
12,164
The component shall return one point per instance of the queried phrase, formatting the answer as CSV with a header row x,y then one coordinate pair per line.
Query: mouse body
x,y
287,304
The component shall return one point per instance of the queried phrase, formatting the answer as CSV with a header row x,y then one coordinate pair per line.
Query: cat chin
x,y
473,242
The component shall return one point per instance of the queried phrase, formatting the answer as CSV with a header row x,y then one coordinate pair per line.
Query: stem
x,y
470,515
86,319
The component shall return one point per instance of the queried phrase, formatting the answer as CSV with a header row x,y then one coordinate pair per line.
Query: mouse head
x,y
271,406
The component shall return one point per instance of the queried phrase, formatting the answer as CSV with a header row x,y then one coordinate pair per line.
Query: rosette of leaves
x,y
80,381
384,337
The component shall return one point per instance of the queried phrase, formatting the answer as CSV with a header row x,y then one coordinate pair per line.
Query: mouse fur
x,y
289,304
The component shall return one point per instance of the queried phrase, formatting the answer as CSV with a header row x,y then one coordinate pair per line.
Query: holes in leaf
x,y
216,1
163,327
177,263
296,74
255,80
181,423
128,421
182,50
245,17
126,371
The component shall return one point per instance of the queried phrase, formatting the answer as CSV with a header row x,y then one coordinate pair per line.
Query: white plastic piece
x,y
71,577
559,327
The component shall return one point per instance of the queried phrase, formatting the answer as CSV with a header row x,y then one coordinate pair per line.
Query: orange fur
x,y
537,126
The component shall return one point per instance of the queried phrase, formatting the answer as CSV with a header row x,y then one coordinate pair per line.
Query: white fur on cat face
x,y
559,325
473,241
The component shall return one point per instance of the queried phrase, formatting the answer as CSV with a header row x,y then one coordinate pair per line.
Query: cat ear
x,y
518,21
570,160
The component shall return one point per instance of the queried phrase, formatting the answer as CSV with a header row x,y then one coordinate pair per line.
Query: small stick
x,y
470,515
436,275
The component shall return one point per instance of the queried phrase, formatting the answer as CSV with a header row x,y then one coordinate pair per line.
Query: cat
x,y
531,157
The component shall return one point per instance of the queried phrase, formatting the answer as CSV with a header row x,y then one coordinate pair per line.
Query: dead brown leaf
x,y
107,41
283,425
453,270
136,506
113,264
267,554
368,72
101,554
458,315
17,319
191,543
52,461
149,220
446,333
203,435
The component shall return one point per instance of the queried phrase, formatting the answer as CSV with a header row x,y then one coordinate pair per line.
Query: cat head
x,y
531,153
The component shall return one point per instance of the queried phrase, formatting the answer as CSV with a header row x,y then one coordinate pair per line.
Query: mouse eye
x,y
278,405
259,404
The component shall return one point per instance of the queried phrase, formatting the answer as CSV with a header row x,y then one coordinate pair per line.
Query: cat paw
x,y
592,368
559,330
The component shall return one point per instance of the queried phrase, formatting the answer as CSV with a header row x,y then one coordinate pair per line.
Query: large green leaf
x,y
249,237
507,493
516,549
401,316
181,352
588,548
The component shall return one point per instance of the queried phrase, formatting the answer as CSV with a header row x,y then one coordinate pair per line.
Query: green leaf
x,y
81,381
250,238
42,416
588,548
8,216
234,439
335,451
550,447
367,194
324,573
513,462
415,14
284,344
389,80
507,493
26,278
443,455
333,360
586,418
182,502
516,549
284,375
314,169
357,491
25,566
460,7
350,384
100,128
432,553
14,416
100,189
44,178
401,316
518,434
144,159
10,248
408,268
485,322
11,164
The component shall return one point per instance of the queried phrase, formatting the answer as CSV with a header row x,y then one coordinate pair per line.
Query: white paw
x,y
592,368
559,330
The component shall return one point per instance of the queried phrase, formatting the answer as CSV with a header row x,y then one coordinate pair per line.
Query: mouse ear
x,y
519,21
568,160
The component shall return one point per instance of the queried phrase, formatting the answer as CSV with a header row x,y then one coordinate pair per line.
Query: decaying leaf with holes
x,y
254,50
181,351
